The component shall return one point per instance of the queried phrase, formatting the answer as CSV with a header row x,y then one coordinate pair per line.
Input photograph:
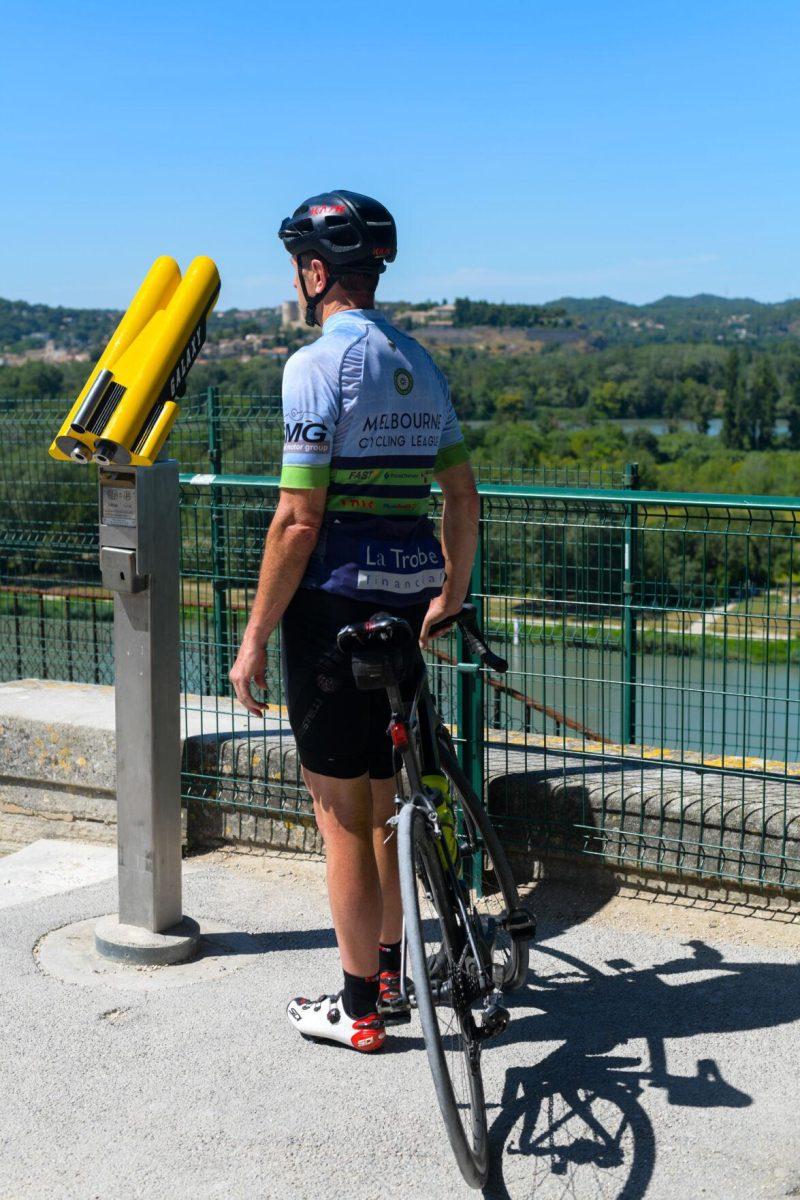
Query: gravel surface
x,y
653,1053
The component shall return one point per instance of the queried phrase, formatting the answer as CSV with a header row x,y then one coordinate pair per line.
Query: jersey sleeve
x,y
452,448
310,394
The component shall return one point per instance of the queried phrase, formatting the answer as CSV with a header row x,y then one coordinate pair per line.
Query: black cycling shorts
x,y
339,730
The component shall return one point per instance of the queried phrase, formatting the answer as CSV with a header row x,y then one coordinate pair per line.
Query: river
x,y
682,703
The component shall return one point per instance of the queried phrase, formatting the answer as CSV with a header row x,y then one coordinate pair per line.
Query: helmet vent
x,y
343,237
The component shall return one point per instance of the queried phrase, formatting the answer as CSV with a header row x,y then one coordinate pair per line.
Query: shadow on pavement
x,y
575,1115
235,941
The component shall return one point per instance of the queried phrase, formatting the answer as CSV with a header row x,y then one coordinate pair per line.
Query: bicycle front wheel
x,y
442,986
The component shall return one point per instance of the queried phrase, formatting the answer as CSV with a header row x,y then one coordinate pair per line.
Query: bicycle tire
x,y
515,950
421,870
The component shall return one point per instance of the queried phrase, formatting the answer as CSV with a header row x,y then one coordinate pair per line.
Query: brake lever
x,y
476,643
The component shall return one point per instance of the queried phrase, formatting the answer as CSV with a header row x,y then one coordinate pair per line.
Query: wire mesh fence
x,y
651,713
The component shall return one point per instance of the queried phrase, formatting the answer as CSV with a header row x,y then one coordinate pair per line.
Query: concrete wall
x,y
57,779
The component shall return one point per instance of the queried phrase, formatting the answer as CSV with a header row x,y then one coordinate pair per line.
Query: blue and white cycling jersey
x,y
368,415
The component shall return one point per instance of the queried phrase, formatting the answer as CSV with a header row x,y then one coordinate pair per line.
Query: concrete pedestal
x,y
132,944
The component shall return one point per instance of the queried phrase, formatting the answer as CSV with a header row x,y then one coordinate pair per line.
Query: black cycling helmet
x,y
348,231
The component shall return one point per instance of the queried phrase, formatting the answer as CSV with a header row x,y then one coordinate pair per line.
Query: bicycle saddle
x,y
382,651
381,632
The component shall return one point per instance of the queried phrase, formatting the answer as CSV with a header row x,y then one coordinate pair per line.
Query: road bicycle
x,y
465,933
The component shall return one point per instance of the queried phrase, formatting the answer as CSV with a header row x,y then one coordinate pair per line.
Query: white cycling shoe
x,y
326,1018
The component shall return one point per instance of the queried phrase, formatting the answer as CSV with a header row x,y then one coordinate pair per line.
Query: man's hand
x,y
439,608
460,517
291,537
251,663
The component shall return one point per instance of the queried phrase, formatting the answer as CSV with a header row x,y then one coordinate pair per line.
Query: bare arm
x,y
459,540
291,537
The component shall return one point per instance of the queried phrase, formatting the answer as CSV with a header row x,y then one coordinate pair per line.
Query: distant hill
x,y
702,318
28,328
601,321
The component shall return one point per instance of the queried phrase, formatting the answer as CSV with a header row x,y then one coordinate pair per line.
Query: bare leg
x,y
343,808
383,791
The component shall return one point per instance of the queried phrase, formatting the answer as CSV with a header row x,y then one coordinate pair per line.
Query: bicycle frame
x,y
412,729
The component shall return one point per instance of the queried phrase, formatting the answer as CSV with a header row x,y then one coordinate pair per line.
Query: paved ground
x,y
653,1054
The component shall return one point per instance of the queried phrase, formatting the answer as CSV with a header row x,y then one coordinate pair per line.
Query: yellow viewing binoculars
x,y
129,403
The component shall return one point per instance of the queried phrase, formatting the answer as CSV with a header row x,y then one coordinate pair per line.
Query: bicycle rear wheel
x,y
442,987
494,894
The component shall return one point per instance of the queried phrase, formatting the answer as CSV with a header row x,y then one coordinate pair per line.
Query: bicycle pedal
x,y
520,925
495,1021
396,1012
395,1017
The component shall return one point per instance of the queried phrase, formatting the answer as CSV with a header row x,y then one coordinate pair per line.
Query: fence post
x,y
218,556
471,712
629,569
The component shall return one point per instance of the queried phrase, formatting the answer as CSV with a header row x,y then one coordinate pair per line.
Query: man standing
x,y
369,423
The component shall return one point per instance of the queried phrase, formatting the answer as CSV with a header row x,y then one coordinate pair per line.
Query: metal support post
x,y
471,687
629,569
218,556
139,562
471,696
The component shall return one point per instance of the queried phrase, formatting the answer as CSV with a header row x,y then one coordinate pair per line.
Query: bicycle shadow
x,y
577,1113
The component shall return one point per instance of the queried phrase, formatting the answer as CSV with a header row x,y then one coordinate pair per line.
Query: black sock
x,y
389,956
360,995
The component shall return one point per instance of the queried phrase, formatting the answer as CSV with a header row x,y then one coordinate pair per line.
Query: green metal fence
x,y
651,713
54,619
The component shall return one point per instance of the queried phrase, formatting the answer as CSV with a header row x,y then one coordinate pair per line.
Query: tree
x,y
510,444
673,405
698,404
607,398
510,405
761,402
38,380
793,414
731,408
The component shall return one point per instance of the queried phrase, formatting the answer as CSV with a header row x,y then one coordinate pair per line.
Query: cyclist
x,y
368,424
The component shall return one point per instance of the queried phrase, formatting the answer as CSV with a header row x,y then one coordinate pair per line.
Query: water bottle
x,y
447,817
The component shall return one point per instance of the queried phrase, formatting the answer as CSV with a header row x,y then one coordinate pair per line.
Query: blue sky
x,y
528,151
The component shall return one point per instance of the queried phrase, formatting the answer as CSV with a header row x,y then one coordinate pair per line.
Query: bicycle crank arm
x,y
520,925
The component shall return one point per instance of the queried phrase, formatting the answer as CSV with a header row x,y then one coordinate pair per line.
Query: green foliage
x,y
521,316
236,322
510,405
510,443
684,319
761,403
793,414
28,326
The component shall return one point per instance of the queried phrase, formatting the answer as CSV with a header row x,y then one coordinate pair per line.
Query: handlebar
x,y
467,621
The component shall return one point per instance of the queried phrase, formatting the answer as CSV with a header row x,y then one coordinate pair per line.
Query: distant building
x,y
290,315
440,315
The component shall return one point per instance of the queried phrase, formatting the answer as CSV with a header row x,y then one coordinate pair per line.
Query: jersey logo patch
x,y
403,381
306,436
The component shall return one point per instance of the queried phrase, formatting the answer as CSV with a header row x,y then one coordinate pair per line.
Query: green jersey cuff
x,y
451,457
305,477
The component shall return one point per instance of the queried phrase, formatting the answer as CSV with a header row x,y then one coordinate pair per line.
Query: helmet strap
x,y
313,301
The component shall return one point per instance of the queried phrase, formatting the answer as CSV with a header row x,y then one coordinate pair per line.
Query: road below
x,y
653,1053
